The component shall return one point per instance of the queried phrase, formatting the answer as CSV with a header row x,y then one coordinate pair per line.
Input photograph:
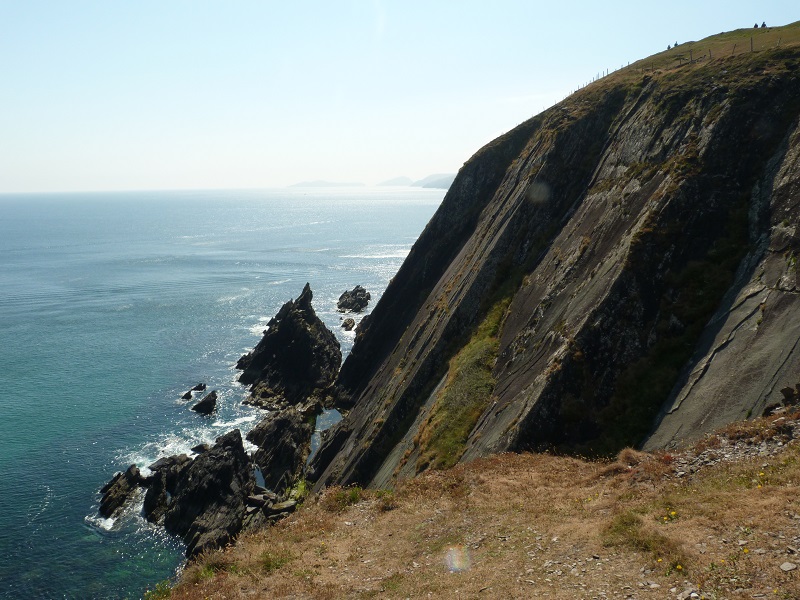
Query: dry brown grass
x,y
522,526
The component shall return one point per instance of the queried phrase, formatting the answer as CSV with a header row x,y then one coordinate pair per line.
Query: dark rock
x,y
200,448
171,467
284,441
297,357
162,485
118,490
208,507
156,499
348,324
187,396
207,405
200,387
354,300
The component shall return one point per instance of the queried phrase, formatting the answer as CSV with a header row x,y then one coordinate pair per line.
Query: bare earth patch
x,y
719,520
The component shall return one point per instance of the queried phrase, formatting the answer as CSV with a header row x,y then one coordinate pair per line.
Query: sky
x,y
230,94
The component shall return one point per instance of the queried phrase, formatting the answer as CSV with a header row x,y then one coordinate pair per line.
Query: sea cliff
x,y
620,270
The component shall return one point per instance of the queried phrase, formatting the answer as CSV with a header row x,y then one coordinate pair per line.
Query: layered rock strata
x,y
618,270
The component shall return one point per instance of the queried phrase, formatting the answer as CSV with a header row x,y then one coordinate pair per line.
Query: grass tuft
x,y
466,393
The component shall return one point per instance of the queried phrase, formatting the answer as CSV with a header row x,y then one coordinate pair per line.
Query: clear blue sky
x,y
146,94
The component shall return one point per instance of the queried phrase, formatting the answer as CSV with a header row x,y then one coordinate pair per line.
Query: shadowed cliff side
x,y
580,271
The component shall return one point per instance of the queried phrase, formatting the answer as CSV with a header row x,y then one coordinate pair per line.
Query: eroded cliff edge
x,y
618,270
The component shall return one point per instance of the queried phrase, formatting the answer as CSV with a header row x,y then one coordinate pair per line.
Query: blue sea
x,y
112,305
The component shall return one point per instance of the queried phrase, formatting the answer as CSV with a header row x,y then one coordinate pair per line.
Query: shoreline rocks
x,y
210,498
354,300
117,491
207,405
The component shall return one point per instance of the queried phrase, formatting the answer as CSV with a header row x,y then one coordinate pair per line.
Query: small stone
x,y
788,566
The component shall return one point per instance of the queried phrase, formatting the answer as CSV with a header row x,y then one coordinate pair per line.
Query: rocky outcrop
x,y
208,506
284,442
629,249
208,500
297,358
207,405
117,491
348,324
161,485
354,300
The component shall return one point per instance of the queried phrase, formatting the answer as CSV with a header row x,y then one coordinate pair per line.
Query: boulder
x,y
284,442
187,395
348,324
207,405
200,448
200,387
208,506
118,490
297,357
354,300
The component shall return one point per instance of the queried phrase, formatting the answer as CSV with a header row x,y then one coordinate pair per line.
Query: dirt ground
x,y
719,520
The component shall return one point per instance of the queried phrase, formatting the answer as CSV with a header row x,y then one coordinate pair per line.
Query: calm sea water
x,y
112,306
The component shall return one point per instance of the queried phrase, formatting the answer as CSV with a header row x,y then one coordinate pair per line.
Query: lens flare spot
x,y
457,559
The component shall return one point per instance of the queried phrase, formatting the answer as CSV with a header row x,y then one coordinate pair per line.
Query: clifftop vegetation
x,y
719,519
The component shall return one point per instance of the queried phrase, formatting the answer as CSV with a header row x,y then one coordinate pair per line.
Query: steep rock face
x,y
750,347
297,357
573,270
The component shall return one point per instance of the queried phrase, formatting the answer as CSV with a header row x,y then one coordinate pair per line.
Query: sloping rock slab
x,y
297,355
118,490
207,405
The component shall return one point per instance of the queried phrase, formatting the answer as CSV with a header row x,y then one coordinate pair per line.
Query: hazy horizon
x,y
256,95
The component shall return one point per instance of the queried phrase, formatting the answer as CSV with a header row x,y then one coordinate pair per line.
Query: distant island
x,y
440,181
322,183
398,182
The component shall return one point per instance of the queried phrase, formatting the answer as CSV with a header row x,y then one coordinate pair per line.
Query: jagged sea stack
x,y
297,358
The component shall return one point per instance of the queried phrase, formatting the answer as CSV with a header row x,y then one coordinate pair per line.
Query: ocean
x,y
112,305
